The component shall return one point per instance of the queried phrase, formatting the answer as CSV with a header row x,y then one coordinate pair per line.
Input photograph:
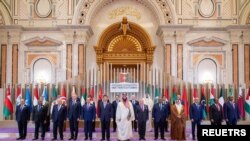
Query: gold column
x,y
180,61
69,62
3,64
247,64
14,64
235,65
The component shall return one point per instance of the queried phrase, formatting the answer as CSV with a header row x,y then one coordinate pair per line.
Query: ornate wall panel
x,y
167,56
247,64
3,64
180,61
235,65
14,64
69,62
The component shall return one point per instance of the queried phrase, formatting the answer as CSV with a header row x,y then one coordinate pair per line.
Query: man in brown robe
x,y
178,121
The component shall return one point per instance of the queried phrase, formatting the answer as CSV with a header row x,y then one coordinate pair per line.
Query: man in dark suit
x,y
167,105
231,112
141,116
22,118
105,114
39,118
216,113
88,115
74,113
114,107
159,114
195,114
134,102
59,115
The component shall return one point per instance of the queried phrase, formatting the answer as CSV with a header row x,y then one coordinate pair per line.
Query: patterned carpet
x,y
11,133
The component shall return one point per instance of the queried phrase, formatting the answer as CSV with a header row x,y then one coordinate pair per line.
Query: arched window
x,y
207,71
42,71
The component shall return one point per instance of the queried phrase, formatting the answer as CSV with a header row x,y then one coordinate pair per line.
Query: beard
x,y
124,99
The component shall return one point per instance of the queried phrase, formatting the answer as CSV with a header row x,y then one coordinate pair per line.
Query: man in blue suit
x,y
159,114
22,118
39,118
114,107
89,115
59,115
195,114
74,113
231,112
134,103
105,114
141,116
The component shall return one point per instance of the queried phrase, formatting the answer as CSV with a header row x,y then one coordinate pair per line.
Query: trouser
x,y
73,128
195,122
37,126
232,122
47,124
22,128
159,124
141,129
134,125
166,125
57,125
105,124
88,129
114,124
93,126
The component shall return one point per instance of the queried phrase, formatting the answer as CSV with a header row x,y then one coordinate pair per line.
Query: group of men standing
x,y
127,115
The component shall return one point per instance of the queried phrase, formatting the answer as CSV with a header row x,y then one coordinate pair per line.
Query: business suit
x,y
59,115
216,114
167,105
74,113
39,117
134,123
195,114
231,113
142,117
159,114
22,117
114,107
105,114
88,115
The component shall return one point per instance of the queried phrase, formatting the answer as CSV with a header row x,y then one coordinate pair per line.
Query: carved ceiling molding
x,y
153,5
248,19
207,42
45,42
1,19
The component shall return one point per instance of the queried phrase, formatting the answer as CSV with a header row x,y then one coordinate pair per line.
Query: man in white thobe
x,y
149,102
124,116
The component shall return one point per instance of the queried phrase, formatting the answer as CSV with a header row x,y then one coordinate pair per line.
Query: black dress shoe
x,y
143,138
102,139
54,139
71,138
163,139
156,139
75,138
61,138
23,138
86,139
90,138
43,138
18,138
34,139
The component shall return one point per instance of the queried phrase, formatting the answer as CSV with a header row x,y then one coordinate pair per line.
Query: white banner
x,y
124,87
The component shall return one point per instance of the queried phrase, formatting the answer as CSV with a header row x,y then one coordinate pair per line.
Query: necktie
x,y
218,107
142,107
59,107
104,104
38,108
21,108
160,106
88,106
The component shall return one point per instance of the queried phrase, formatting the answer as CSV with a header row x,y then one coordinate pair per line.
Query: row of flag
x,y
244,105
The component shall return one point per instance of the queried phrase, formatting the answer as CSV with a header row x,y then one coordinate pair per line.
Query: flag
x,y
54,93
241,103
63,94
91,93
174,96
185,101
195,93
156,94
203,102
221,98
166,94
8,107
28,101
84,96
45,95
230,93
18,95
247,102
211,98
123,77
100,93
36,97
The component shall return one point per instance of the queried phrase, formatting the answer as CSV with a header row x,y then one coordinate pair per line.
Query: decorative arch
x,y
216,63
245,14
162,9
5,18
126,41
